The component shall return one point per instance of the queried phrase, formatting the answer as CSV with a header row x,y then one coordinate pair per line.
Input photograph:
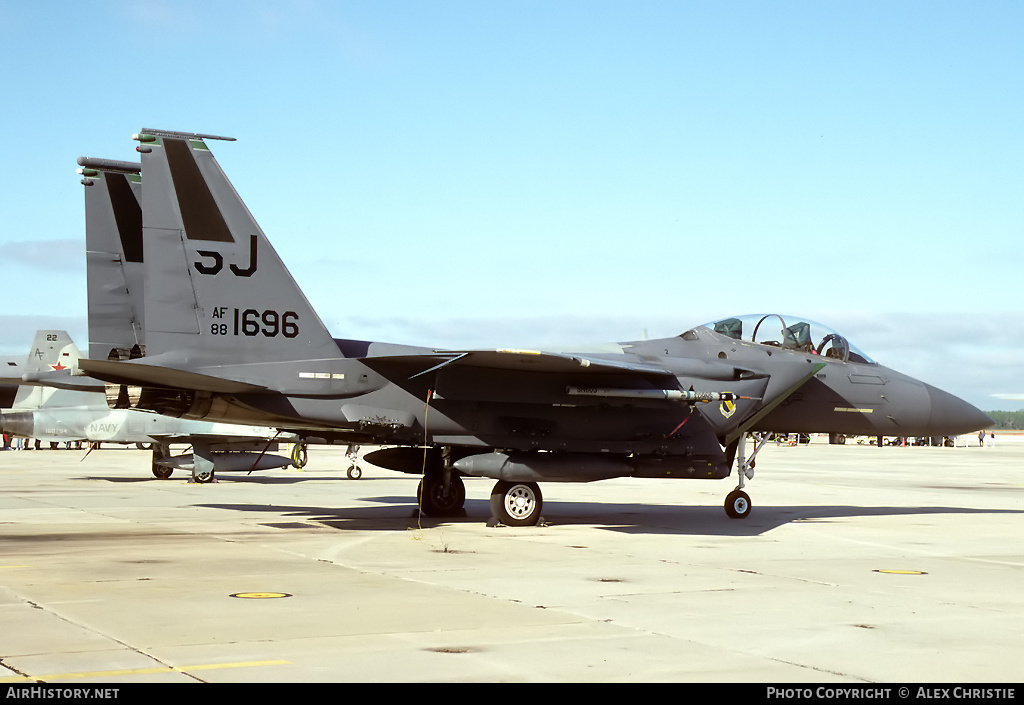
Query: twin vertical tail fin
x,y
114,256
216,291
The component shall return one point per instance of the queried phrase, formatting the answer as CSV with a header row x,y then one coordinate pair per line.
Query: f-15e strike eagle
x,y
229,336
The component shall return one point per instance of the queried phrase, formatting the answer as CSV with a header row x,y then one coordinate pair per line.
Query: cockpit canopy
x,y
789,333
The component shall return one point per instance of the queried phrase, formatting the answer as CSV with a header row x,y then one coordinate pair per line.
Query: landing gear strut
x,y
202,462
354,472
441,492
737,502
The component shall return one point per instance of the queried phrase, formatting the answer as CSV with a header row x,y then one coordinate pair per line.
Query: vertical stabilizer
x,y
113,243
52,351
216,291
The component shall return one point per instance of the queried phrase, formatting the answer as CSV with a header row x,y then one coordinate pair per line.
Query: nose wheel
x,y
737,504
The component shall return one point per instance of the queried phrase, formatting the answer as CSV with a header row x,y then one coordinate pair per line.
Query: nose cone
x,y
950,415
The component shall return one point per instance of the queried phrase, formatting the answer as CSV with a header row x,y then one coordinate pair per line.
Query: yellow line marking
x,y
901,572
141,671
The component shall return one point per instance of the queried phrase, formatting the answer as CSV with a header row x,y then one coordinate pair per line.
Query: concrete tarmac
x,y
857,564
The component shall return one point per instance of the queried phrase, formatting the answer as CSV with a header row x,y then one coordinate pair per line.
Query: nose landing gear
x,y
737,502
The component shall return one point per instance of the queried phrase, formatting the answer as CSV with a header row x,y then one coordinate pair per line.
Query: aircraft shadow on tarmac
x,y
398,512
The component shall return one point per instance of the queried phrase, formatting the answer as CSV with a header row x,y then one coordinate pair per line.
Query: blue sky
x,y
492,173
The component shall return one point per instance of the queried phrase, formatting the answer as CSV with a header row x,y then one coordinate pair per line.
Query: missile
x,y
689,397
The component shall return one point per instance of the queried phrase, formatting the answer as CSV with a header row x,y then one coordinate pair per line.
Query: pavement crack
x,y
80,625
11,668
819,669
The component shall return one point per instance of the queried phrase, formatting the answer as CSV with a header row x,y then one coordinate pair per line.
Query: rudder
x,y
114,256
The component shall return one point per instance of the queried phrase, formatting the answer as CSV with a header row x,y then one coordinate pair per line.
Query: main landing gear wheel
x,y
203,477
516,503
737,504
159,452
434,502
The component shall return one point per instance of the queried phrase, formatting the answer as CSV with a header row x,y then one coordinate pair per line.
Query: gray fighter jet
x,y
58,406
230,336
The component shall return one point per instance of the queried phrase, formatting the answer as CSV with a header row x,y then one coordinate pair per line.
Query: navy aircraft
x,y
55,405
230,336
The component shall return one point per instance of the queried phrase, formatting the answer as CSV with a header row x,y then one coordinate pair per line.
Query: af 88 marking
x,y
250,322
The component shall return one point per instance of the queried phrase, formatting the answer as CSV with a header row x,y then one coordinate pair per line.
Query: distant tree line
x,y
1008,420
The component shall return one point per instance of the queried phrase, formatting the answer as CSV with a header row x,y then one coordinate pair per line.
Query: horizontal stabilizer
x,y
62,380
139,373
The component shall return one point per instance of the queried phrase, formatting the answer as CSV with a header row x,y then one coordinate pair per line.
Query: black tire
x,y
737,505
432,499
354,473
203,477
516,503
160,472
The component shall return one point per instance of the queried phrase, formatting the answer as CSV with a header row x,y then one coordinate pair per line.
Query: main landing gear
x,y
512,503
354,472
160,451
441,496
202,458
442,493
737,502
516,503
